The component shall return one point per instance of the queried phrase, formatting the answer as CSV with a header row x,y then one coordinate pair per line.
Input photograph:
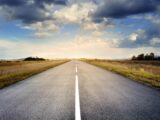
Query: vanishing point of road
x,y
79,91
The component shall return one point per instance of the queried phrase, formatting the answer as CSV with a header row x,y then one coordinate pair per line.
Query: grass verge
x,y
140,71
14,71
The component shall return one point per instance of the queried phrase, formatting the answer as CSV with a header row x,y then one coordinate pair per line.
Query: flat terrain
x,y
103,96
14,71
147,72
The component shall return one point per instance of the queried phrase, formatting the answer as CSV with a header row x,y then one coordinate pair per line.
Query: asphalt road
x,y
103,95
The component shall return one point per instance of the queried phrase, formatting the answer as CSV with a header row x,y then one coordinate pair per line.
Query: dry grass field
x,y
147,72
14,71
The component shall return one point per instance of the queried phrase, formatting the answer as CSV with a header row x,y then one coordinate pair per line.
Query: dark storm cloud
x,y
58,2
13,2
29,14
22,2
28,11
123,8
61,2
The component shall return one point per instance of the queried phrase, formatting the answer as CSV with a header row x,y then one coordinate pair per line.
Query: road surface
x,y
82,90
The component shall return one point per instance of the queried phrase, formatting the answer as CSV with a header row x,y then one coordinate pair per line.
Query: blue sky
x,y
112,29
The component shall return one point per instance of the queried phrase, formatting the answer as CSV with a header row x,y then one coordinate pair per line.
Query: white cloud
x,y
81,14
43,29
133,37
92,26
155,41
140,33
76,13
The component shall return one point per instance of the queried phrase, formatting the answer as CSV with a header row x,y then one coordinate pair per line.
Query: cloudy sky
x,y
79,28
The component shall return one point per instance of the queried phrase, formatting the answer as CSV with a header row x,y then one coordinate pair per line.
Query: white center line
x,y
76,69
77,101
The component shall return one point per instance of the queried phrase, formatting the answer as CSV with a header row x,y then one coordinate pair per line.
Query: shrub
x,y
34,59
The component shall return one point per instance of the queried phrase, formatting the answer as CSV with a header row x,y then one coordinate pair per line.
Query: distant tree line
x,y
142,56
34,59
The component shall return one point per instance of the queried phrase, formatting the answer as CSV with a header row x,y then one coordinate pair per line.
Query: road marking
x,y
76,69
77,100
